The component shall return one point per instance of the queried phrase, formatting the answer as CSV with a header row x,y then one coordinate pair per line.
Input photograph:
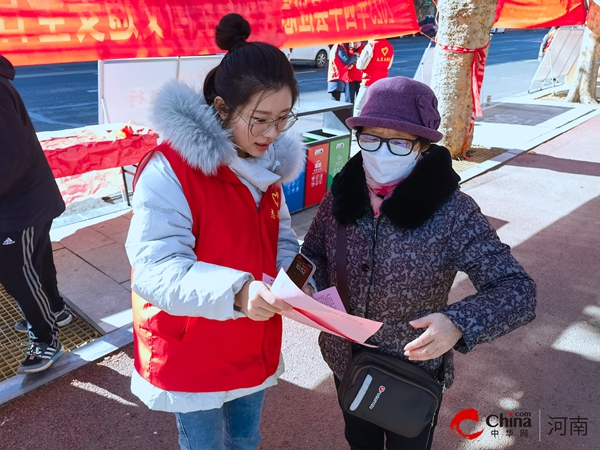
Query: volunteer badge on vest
x,y
275,211
385,50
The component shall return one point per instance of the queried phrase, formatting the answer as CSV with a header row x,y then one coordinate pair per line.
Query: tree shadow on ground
x,y
549,368
539,161
89,409
296,418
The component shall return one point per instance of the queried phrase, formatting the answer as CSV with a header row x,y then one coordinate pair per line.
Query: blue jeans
x,y
234,426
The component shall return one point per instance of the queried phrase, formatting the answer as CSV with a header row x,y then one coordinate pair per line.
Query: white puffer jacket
x,y
160,243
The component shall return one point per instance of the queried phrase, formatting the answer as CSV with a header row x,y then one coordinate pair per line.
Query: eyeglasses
x,y
396,146
259,127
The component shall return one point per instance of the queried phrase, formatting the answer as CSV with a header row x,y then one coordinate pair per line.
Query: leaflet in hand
x,y
311,312
330,297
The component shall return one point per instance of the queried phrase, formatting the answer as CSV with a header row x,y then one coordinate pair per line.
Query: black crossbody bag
x,y
393,394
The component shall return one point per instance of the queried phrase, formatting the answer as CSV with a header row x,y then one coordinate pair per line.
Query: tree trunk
x,y
466,24
583,89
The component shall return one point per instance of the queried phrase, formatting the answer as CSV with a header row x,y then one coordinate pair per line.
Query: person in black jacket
x,y
410,230
29,201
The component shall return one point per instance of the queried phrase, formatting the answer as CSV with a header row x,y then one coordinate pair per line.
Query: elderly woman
x,y
409,231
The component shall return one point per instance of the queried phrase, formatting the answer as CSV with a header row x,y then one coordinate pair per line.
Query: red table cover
x,y
81,150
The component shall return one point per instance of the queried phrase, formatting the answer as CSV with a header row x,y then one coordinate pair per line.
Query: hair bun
x,y
232,30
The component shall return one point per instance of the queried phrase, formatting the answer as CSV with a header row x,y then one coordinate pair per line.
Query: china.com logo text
x,y
512,420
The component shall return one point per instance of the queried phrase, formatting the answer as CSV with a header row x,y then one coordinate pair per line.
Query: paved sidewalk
x,y
545,203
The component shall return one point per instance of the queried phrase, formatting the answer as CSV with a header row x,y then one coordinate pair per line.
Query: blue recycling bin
x,y
294,192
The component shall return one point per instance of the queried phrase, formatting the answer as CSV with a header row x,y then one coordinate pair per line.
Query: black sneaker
x,y
62,318
40,356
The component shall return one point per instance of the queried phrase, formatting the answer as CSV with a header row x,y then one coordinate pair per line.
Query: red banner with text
x,y
55,31
539,13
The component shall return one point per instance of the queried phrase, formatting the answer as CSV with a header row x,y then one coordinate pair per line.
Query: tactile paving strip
x,y
13,344
476,156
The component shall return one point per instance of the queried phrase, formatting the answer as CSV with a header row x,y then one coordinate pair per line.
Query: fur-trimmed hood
x,y
181,117
414,200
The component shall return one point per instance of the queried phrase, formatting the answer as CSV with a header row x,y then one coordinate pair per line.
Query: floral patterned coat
x,y
401,265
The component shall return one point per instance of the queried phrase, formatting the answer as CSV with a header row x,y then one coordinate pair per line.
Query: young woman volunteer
x,y
409,230
209,220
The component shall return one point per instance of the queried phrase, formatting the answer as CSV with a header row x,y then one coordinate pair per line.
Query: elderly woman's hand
x,y
441,335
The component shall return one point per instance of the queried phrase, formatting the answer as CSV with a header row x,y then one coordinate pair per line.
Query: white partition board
x,y
560,56
424,70
126,87
193,69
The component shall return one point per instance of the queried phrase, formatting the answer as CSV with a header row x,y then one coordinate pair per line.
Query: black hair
x,y
248,67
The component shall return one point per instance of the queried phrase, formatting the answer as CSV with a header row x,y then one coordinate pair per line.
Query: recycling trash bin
x,y
338,149
294,192
317,159
339,153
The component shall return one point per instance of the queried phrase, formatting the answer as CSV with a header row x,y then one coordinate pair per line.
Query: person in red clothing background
x,y
375,61
354,73
546,41
337,73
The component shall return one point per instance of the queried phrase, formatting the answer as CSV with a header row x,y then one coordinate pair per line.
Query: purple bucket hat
x,y
401,104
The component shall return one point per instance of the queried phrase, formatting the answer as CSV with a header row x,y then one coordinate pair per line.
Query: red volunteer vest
x,y
354,73
337,70
194,354
378,68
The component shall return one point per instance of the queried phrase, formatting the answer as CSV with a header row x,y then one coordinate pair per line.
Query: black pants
x,y
336,95
27,272
352,89
363,435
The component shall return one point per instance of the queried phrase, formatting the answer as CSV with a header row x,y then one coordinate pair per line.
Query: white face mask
x,y
385,167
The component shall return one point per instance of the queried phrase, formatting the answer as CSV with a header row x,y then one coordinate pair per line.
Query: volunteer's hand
x,y
441,335
308,289
258,302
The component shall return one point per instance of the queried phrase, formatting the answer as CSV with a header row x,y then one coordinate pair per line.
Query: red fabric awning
x,y
539,13
58,31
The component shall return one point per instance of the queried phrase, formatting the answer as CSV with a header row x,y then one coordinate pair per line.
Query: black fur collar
x,y
413,201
